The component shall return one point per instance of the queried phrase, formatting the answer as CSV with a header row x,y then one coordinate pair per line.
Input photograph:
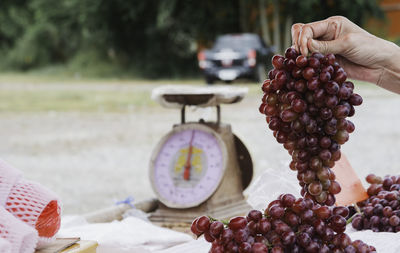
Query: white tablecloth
x,y
135,235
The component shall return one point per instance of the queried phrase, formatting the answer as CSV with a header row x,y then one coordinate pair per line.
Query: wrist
x,y
392,62
390,75
389,80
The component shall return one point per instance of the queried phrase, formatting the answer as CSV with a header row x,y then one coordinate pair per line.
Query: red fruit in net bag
x,y
49,220
36,206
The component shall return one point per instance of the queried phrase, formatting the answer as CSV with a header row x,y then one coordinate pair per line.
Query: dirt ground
x,y
93,159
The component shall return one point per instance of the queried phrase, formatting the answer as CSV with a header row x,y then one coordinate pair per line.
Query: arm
x,y
363,55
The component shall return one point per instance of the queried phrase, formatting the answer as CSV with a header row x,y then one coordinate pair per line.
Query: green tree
x,y
157,38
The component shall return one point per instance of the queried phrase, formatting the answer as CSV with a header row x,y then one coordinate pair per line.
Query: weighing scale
x,y
199,168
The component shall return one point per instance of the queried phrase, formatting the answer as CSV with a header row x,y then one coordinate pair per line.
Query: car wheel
x,y
209,80
261,73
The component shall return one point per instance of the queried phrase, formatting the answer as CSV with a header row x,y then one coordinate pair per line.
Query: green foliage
x,y
357,11
157,38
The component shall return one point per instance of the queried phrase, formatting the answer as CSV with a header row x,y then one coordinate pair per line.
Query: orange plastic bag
x,y
352,189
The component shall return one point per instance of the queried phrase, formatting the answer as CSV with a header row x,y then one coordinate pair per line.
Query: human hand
x,y
362,55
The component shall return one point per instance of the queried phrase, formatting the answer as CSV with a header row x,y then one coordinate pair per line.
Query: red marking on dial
x,y
186,173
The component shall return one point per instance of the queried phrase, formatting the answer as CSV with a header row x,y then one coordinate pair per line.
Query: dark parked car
x,y
236,56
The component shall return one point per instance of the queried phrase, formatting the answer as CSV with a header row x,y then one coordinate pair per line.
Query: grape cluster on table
x,y
307,101
381,211
287,225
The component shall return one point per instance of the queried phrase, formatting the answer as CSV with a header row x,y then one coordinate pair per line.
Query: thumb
x,y
325,46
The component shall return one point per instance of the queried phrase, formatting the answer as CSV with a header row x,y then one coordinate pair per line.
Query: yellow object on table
x,y
82,247
69,245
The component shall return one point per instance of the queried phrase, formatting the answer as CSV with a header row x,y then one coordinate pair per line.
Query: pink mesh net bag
x,y
30,202
5,246
21,237
8,177
36,206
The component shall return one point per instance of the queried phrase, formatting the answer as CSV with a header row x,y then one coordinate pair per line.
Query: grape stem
x,y
212,219
225,222
351,218
269,245
357,209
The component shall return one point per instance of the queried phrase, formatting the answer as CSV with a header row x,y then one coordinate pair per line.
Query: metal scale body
x,y
199,168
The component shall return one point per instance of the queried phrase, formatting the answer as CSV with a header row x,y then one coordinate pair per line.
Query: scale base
x,y
170,216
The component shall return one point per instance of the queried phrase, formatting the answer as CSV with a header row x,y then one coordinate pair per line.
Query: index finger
x,y
320,29
323,29
296,28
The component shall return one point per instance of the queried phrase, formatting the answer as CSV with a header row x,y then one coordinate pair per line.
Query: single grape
x,y
335,187
297,72
300,85
276,212
315,188
309,73
259,248
355,99
313,62
288,115
325,76
289,64
328,69
332,87
245,247
264,226
330,59
340,77
208,236
341,111
203,223
331,101
281,78
288,200
216,228
272,99
241,235
301,61
277,61
237,223
194,229
313,83
291,53
254,215
341,210
344,92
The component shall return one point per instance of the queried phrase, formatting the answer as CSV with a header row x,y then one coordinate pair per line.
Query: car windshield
x,y
237,42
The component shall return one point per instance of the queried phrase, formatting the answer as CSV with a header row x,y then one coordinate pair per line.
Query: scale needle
x,y
186,173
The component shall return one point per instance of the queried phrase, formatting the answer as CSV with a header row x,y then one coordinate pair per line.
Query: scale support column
x,y
183,114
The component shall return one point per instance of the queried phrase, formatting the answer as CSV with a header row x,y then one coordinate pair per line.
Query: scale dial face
x,y
188,165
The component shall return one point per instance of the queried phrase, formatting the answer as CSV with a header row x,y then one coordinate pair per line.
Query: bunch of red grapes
x,y
287,225
381,211
306,102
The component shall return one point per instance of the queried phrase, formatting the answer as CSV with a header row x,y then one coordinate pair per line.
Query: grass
x,y
60,92
56,77
44,92
72,100
55,89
